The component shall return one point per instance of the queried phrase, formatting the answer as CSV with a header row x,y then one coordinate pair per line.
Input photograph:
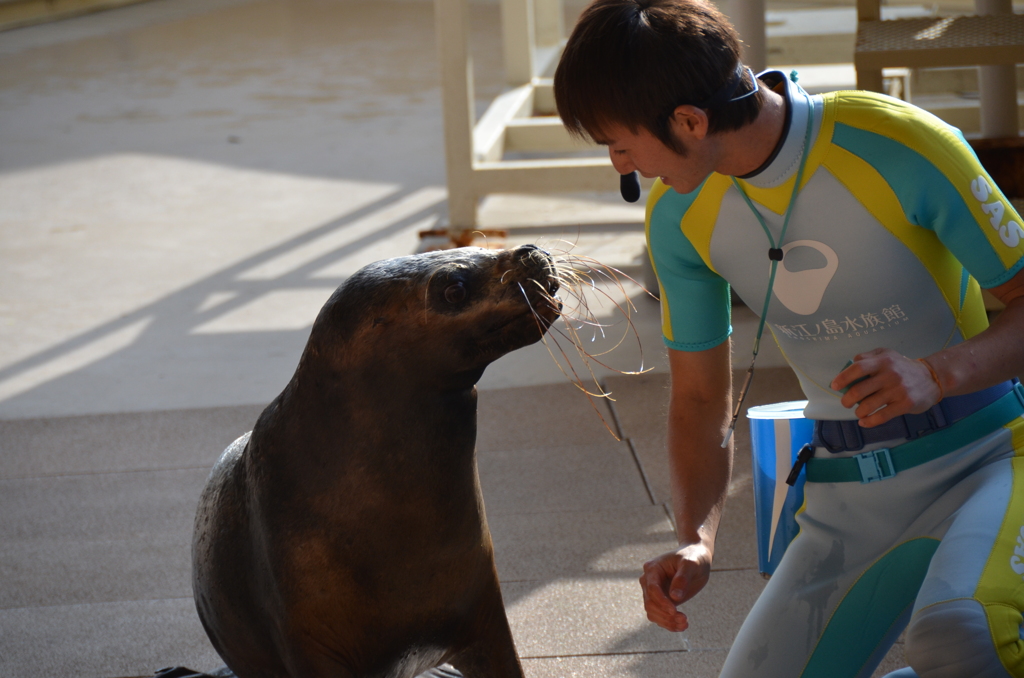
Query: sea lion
x,y
345,535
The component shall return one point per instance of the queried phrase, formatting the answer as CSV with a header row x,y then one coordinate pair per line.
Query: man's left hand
x,y
893,385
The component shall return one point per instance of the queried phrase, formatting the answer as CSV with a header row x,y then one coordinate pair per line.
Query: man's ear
x,y
690,122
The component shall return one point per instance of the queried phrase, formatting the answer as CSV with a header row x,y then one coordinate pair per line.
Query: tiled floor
x,y
182,184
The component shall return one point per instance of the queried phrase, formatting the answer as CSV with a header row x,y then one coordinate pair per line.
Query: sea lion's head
x,y
438,313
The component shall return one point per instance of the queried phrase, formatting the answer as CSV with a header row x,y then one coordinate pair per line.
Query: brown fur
x,y
345,535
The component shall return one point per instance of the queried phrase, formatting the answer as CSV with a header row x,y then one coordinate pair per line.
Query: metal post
x,y
747,17
519,41
550,24
452,27
997,85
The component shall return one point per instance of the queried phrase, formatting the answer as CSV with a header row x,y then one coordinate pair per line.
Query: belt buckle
x,y
875,465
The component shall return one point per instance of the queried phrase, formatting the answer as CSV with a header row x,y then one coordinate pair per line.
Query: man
x,y
864,226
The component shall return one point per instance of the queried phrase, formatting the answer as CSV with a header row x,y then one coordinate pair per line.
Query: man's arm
x,y
903,385
699,411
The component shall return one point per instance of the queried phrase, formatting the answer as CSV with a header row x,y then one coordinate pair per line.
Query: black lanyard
x,y
774,256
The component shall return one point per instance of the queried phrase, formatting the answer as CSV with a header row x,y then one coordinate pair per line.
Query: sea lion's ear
x,y
380,321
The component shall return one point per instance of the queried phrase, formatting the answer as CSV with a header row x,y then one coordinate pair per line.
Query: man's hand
x,y
672,579
892,386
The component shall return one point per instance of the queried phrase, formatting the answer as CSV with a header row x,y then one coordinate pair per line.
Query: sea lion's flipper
x,y
185,672
442,671
491,652
488,660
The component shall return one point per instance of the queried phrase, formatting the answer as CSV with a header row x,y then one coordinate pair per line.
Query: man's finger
x,y
674,621
678,587
654,592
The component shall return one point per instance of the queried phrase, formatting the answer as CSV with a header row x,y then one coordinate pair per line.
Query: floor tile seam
x,y
619,434
162,537
614,445
643,473
594,512
583,576
155,469
613,412
609,574
666,507
494,513
173,411
734,569
93,603
624,653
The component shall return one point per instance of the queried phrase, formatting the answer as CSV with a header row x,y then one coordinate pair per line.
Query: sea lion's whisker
x,y
626,311
631,328
570,244
595,357
581,309
576,378
593,279
577,381
630,306
594,323
574,287
585,272
578,320
426,295
568,275
574,339
584,285
575,307
582,277
611,272
543,291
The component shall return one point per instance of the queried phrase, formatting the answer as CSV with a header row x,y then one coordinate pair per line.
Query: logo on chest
x,y
803,275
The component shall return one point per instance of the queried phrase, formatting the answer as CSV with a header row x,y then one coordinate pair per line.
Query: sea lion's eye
x,y
456,293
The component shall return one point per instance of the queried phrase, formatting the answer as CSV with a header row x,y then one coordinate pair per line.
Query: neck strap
x,y
774,256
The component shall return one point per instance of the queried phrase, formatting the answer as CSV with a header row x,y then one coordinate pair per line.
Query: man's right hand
x,y
672,579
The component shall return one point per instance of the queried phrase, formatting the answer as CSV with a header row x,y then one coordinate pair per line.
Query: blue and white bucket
x,y
777,432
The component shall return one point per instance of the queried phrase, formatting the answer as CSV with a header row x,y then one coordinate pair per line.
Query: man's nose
x,y
621,162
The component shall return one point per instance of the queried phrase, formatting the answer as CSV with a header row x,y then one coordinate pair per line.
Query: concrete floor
x,y
182,185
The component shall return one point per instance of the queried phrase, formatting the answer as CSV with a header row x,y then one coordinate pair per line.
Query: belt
x,y
885,463
850,436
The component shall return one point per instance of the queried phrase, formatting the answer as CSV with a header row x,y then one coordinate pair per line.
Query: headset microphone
x,y
629,186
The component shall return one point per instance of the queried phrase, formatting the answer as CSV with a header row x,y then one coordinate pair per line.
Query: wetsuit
x,y
895,225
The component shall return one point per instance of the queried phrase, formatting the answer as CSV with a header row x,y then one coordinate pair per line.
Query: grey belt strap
x,y
885,463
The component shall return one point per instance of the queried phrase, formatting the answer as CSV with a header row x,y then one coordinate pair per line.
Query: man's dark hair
x,y
632,62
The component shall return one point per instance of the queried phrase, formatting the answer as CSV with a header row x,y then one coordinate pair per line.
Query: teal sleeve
x,y
694,299
929,196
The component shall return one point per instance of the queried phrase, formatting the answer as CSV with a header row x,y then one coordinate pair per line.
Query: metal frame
x,y
993,40
521,119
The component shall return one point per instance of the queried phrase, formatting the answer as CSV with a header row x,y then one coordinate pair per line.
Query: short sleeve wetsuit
x,y
895,225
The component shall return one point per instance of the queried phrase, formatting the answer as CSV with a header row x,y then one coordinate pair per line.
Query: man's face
x,y
645,153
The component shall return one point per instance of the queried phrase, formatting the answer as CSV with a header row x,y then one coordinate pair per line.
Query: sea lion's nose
x,y
528,260
530,252
537,264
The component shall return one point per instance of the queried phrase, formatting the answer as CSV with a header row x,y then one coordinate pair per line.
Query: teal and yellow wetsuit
x,y
895,225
